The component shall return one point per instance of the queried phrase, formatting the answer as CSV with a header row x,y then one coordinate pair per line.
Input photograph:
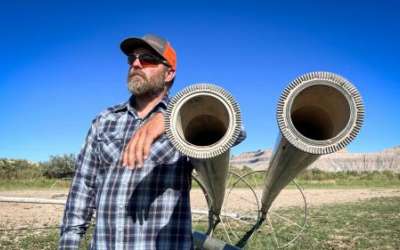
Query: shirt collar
x,y
129,106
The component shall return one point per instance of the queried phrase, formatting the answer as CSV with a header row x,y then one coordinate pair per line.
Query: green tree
x,y
59,166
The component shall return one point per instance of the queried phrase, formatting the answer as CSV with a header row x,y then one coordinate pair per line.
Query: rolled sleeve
x,y
242,136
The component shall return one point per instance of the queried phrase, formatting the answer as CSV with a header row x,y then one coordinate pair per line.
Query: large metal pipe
x,y
203,122
318,113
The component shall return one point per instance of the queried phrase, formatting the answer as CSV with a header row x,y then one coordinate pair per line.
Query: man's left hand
x,y
138,148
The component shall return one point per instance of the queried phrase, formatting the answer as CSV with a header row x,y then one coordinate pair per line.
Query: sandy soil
x,y
13,215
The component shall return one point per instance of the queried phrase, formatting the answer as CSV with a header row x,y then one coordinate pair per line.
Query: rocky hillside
x,y
388,159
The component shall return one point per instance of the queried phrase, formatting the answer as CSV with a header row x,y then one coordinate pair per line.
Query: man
x,y
141,196
128,170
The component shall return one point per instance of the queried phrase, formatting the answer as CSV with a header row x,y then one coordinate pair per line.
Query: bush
x,y
18,169
59,166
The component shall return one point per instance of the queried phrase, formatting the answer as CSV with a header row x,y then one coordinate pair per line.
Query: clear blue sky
x,y
61,63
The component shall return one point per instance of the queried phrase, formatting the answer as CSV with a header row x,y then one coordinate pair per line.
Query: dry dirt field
x,y
14,215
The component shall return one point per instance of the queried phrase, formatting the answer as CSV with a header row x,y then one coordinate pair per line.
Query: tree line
x,y
58,166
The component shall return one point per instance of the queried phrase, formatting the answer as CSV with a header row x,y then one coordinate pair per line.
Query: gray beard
x,y
139,85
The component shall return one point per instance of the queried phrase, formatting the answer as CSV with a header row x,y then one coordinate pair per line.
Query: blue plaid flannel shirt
x,y
146,208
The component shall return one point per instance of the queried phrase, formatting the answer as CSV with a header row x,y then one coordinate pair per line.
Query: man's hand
x,y
138,148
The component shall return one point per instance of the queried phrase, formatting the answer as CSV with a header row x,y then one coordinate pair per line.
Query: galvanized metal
x,y
318,113
32,200
203,121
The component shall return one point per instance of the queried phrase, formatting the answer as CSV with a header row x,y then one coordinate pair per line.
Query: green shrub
x,y
59,166
18,169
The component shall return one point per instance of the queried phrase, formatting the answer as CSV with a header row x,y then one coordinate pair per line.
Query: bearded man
x,y
127,170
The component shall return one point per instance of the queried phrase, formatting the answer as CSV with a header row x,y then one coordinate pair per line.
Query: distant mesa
x,y
387,159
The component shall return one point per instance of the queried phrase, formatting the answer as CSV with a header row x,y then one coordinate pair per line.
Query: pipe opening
x,y
204,120
320,112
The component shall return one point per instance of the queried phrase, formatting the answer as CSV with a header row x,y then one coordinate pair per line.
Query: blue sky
x,y
61,63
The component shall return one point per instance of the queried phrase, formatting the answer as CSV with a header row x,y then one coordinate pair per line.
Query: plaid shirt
x,y
146,208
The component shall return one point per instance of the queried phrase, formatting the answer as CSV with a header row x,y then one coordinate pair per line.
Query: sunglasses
x,y
147,59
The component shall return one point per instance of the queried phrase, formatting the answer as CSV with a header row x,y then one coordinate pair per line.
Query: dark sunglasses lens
x,y
145,58
150,59
131,59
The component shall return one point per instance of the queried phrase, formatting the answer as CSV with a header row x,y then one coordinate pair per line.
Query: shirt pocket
x,y
110,148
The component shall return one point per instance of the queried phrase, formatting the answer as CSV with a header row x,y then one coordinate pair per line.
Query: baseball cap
x,y
155,43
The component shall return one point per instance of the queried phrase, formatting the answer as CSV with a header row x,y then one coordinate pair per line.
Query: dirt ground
x,y
18,215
